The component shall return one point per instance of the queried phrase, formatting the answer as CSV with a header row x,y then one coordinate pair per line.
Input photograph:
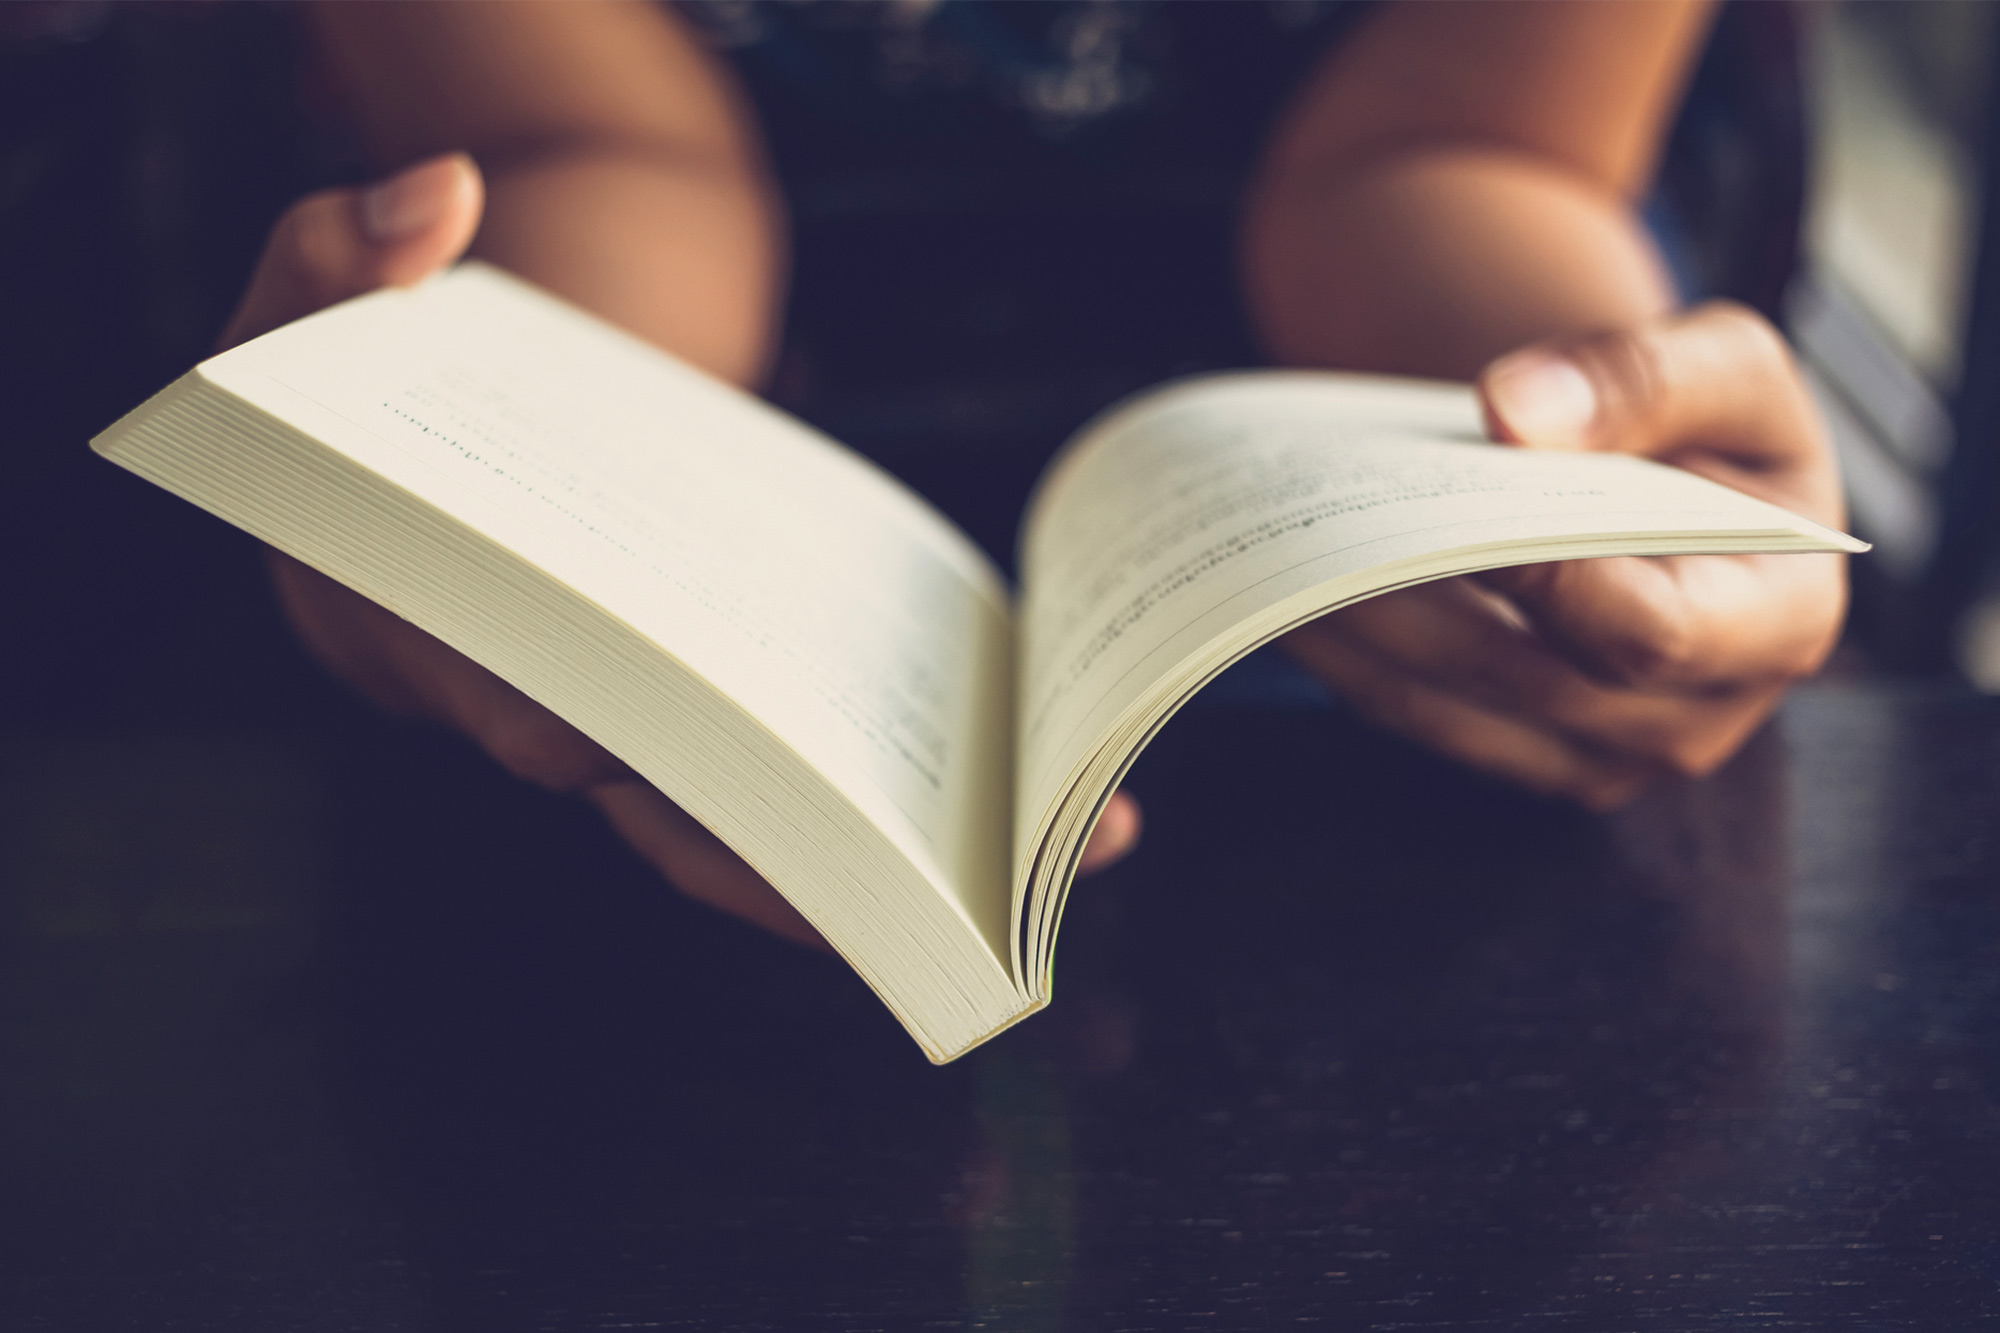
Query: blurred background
x,y
1889,315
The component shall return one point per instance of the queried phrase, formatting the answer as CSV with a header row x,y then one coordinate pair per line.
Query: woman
x,y
1447,190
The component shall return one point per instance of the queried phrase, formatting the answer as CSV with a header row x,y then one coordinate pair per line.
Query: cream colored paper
x,y
808,586
1181,530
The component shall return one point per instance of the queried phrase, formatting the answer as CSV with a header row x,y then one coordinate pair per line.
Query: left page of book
x,y
821,597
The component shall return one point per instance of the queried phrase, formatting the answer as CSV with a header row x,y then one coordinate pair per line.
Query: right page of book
x,y
1179,518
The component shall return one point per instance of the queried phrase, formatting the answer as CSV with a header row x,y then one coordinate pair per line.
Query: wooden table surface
x,y
335,1027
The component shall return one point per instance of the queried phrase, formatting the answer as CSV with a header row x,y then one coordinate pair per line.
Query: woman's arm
x,y
622,169
1456,182
1459,179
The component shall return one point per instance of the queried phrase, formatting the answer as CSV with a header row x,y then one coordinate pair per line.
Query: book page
x,y
828,601
1196,509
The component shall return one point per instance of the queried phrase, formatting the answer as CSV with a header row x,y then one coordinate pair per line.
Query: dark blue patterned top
x,y
971,105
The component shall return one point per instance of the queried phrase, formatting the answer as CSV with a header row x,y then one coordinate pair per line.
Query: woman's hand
x,y
1589,678
342,243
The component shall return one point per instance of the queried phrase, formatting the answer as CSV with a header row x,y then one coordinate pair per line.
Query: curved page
x,y
1239,505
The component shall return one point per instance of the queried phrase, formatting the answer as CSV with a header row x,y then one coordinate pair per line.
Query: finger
x,y
405,669
1116,834
341,243
1518,751
697,862
1714,390
1467,643
1684,622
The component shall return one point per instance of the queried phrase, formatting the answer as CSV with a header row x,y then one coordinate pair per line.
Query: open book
x,y
804,655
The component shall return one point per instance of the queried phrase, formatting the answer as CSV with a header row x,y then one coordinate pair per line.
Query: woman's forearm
x,y
1435,262
621,169
1460,179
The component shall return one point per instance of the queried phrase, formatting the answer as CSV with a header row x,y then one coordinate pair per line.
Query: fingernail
x,y
411,200
1542,398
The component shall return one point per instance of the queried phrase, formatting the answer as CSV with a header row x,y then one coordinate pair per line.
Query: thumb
x,y
1713,389
341,243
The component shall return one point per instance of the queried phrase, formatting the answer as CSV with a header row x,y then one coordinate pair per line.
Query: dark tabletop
x,y
336,1028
